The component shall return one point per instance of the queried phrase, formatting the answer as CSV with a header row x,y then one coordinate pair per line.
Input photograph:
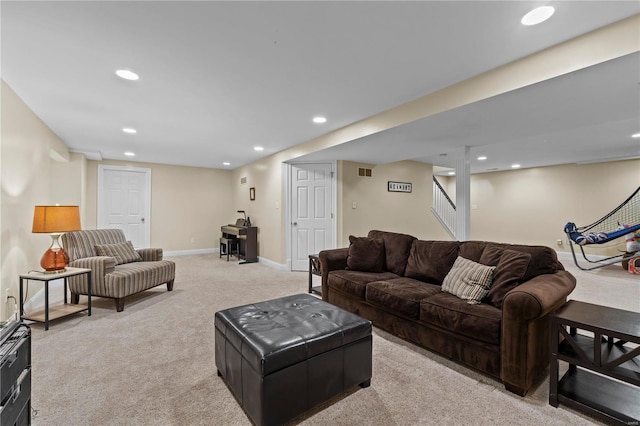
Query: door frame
x,y
101,216
287,188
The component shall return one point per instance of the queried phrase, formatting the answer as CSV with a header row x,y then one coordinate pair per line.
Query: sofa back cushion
x,y
396,249
430,261
365,254
79,244
511,266
543,259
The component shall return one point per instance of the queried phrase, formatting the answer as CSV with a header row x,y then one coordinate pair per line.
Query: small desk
x,y
609,350
314,269
57,311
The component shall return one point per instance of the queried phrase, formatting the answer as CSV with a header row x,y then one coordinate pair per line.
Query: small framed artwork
x,y
252,193
398,186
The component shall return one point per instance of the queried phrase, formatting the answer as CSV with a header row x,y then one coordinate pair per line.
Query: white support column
x,y
463,196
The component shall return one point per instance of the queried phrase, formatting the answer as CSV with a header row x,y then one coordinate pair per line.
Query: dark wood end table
x,y
603,378
314,269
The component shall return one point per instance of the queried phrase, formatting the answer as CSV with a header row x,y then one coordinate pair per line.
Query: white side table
x,y
56,311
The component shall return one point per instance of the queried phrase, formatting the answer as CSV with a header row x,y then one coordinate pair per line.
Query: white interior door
x,y
124,202
311,212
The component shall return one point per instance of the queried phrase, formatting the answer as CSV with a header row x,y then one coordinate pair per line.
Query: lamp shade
x,y
54,219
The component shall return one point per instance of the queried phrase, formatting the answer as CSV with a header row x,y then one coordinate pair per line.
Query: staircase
x,y
443,208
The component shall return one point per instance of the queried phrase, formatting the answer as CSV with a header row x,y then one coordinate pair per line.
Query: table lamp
x,y
55,220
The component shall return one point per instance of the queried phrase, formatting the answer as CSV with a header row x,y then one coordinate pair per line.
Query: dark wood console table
x,y
603,378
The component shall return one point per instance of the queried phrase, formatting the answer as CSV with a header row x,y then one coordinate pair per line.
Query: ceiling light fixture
x,y
451,173
226,163
258,148
127,75
319,120
130,154
129,130
482,158
515,166
537,15
636,135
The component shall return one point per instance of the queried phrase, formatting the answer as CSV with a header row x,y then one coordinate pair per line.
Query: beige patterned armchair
x,y
117,270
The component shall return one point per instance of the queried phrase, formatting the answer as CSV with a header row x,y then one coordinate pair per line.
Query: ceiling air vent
x,y
364,172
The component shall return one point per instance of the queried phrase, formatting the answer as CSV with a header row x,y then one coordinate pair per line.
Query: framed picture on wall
x,y
252,193
398,186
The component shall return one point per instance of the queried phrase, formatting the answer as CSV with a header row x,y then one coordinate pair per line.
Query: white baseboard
x,y
272,264
189,252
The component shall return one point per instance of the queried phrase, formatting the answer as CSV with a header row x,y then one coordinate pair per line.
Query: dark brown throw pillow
x,y
511,266
365,254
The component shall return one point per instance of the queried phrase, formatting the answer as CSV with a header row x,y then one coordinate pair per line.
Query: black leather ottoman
x,y
284,356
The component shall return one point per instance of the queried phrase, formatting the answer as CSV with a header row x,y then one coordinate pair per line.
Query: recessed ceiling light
x,y
451,173
127,75
319,120
515,166
636,135
129,130
482,158
129,154
226,163
258,148
537,15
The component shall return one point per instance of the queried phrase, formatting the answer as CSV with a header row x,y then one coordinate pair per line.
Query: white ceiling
x,y
218,78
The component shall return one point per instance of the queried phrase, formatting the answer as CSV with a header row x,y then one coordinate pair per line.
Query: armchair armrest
x,y
150,254
99,265
525,328
331,260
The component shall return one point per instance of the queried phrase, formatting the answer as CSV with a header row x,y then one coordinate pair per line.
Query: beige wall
x,y
267,211
532,206
188,204
27,149
377,208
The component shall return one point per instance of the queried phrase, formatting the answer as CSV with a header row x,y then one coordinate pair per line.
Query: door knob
x,y
142,220
295,223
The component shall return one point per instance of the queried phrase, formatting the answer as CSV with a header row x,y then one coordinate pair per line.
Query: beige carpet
x,y
153,364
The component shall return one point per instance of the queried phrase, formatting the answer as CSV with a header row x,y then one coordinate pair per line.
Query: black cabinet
x,y
15,374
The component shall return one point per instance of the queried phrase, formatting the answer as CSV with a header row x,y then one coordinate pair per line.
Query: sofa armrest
x,y
525,327
331,260
150,254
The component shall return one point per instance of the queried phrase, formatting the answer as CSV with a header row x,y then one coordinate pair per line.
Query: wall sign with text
x,y
398,186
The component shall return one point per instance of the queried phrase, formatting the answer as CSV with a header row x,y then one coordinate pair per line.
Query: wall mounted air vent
x,y
364,172
243,180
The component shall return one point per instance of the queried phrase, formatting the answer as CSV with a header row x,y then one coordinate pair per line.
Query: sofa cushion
x,y
401,296
478,322
365,254
396,250
544,260
468,280
430,261
510,266
355,282
122,252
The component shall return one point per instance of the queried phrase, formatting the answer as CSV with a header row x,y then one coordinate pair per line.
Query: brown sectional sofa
x,y
395,280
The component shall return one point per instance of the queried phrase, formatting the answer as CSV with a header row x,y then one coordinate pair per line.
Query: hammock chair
x,y
624,220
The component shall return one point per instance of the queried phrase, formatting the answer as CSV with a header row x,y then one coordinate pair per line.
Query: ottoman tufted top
x,y
277,333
